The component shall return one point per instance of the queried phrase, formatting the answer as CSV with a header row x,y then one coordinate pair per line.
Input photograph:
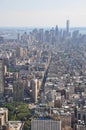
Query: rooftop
x,y
15,125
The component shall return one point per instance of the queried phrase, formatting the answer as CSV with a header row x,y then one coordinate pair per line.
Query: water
x,y
82,30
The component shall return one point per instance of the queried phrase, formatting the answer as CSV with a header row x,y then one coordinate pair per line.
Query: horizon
x,y
39,27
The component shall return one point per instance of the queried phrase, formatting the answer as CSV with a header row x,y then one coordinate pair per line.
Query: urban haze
x,y
42,65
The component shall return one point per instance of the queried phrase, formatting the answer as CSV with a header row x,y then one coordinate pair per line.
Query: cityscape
x,y
42,79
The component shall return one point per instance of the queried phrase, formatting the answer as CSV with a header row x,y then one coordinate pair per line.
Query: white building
x,y
15,125
45,124
3,116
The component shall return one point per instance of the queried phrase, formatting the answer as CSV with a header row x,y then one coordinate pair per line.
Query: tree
x,y
27,125
19,111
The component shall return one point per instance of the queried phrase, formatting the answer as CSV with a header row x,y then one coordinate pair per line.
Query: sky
x,y
42,13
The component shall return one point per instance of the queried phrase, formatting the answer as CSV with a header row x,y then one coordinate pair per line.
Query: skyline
x,y
42,13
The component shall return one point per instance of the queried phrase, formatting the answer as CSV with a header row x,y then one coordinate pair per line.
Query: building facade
x,y
33,85
18,90
1,78
45,124
3,117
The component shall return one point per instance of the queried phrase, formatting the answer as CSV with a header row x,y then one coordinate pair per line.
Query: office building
x,y
45,124
3,117
18,36
80,127
15,125
19,52
1,78
18,90
81,114
33,86
67,26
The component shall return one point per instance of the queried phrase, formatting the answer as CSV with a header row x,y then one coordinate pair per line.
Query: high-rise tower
x,y
18,90
67,26
33,84
1,78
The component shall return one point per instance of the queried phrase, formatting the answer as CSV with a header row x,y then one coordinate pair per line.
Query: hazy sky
x,y
42,12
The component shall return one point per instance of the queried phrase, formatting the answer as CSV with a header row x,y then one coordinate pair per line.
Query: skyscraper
x,y
18,90
67,26
19,52
1,78
33,85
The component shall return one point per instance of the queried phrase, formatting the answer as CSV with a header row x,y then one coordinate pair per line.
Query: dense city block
x,y
42,79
